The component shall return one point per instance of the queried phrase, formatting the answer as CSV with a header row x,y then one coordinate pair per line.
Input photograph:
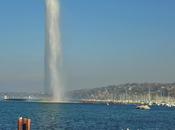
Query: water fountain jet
x,y
53,55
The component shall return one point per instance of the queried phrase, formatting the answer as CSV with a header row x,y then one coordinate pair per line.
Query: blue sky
x,y
104,42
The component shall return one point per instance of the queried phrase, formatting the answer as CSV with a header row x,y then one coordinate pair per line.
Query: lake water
x,y
86,116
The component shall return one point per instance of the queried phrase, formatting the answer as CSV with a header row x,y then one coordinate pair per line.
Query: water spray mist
x,y
53,57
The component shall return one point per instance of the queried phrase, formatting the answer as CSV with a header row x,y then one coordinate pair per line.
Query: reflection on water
x,y
85,117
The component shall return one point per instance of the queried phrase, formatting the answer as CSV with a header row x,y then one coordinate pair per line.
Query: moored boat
x,y
143,107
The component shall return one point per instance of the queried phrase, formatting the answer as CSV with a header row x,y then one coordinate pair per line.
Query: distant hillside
x,y
130,91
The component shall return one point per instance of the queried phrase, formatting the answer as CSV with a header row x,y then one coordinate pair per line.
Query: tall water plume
x,y
53,56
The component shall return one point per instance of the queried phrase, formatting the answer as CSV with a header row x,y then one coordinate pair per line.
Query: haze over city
x,y
103,43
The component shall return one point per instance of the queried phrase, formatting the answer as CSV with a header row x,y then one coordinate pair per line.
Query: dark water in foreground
x,y
86,117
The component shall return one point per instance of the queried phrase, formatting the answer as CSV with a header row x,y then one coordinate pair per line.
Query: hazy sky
x,y
104,42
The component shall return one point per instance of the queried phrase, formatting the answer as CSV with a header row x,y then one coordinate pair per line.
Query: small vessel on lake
x,y
143,107
6,98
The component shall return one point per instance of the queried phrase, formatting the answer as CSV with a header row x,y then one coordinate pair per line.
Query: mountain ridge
x,y
126,91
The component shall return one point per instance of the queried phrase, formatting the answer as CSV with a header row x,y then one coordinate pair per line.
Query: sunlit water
x,y
86,117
